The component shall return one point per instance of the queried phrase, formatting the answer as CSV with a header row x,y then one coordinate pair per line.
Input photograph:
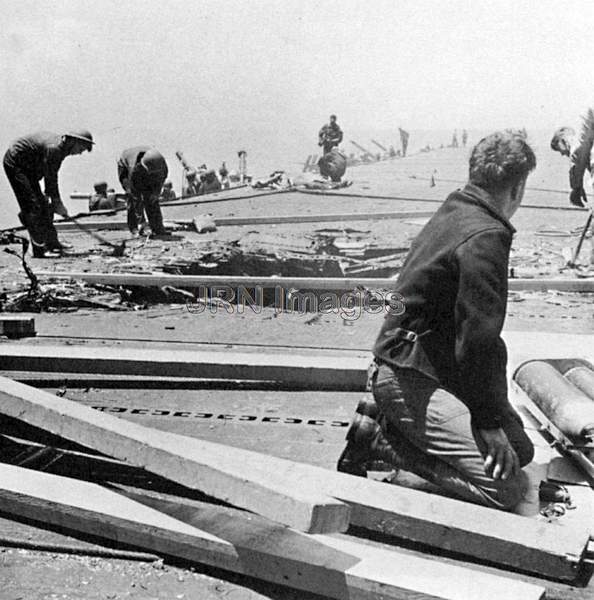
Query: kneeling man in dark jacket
x,y
440,407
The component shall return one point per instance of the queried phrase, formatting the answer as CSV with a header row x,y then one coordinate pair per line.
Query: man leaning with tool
x,y
581,153
440,407
330,135
30,159
142,172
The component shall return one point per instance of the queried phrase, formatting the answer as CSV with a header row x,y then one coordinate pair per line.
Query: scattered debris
x,y
204,223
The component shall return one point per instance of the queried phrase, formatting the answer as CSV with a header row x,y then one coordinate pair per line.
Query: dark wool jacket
x,y
330,134
454,289
38,156
139,180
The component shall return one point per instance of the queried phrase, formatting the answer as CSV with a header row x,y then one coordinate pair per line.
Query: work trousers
x,y
36,213
433,431
137,205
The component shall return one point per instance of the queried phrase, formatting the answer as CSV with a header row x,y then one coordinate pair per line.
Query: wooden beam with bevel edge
x,y
227,473
247,545
299,371
270,220
259,535
235,476
297,283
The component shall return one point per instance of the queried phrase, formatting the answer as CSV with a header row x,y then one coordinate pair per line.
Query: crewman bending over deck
x,y
142,171
440,407
30,159
581,153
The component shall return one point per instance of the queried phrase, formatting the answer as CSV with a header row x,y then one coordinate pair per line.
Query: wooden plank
x,y
416,199
248,545
87,507
259,538
472,530
17,326
346,372
299,283
234,281
268,220
216,197
239,477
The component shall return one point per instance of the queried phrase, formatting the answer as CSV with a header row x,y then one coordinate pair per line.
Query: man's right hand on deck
x,y
501,460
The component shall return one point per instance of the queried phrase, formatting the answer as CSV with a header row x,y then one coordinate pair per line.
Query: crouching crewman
x,y
440,407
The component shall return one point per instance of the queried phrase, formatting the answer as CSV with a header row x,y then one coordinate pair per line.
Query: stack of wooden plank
x,y
279,520
288,519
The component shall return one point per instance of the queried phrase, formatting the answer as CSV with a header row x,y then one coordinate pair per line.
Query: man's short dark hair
x,y
501,159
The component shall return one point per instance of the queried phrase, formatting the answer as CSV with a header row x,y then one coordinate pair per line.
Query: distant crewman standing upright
x,y
142,171
464,138
30,159
580,150
404,135
330,135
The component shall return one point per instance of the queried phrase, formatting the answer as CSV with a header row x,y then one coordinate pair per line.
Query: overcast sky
x,y
216,64
212,77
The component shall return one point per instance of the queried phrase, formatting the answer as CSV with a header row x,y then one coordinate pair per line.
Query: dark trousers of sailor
x,y
137,205
36,213
433,431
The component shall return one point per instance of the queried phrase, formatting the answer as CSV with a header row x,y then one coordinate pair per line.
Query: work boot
x,y
43,252
145,230
368,407
365,444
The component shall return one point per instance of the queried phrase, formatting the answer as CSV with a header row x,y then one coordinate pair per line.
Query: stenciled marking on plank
x,y
279,420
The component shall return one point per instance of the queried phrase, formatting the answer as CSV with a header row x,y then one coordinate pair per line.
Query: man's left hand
x,y
502,460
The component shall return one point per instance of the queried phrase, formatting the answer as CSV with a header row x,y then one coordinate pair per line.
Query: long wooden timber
x,y
417,199
300,371
260,535
246,544
269,220
346,371
229,473
216,470
298,283
215,197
